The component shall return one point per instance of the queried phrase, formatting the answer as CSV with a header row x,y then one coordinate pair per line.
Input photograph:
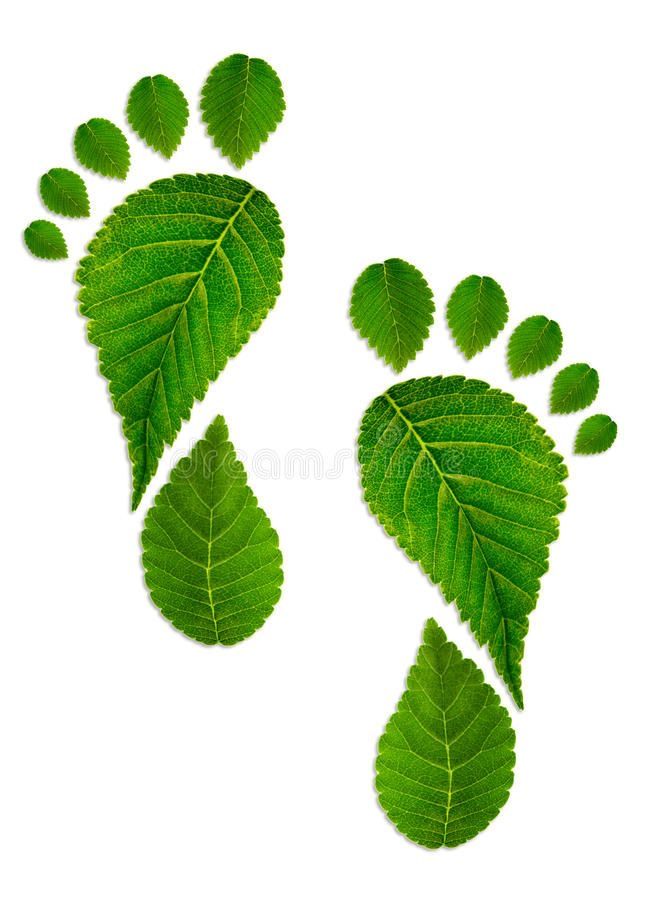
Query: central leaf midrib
x,y
183,306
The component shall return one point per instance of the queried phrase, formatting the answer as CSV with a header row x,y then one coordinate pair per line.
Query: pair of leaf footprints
x,y
174,284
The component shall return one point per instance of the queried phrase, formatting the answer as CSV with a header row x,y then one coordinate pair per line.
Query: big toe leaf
x,y
468,484
174,284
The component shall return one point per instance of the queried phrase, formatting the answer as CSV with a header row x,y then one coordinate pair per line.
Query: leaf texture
x,y
392,307
468,484
45,240
535,344
595,435
477,311
101,147
174,284
158,112
445,761
574,388
64,192
210,554
242,103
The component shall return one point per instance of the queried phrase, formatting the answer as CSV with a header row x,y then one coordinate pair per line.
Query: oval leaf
x,y
595,435
467,483
101,147
477,311
574,388
242,102
445,762
392,308
210,554
176,281
158,112
45,240
64,192
535,344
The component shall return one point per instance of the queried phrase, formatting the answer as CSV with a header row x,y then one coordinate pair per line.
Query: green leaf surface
x,y
595,435
64,192
468,484
174,284
392,307
477,311
574,388
242,102
535,344
45,240
101,147
445,761
158,112
210,554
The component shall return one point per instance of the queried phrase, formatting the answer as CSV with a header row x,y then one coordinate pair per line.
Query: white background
x,y
503,138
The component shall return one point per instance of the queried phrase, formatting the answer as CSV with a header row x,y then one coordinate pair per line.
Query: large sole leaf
x,y
174,284
468,484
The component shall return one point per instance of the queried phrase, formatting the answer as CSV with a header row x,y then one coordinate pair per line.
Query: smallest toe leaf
x,y
158,112
595,435
45,240
574,388
477,311
535,344
102,148
64,192
392,307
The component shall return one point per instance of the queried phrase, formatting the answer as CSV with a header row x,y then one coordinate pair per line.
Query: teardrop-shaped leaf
x,y
392,307
101,147
45,240
64,192
176,281
574,388
210,554
158,112
445,761
242,103
595,435
535,344
468,484
477,311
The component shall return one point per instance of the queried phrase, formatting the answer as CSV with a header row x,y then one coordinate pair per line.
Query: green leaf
x,y
158,112
477,311
595,435
64,192
101,147
45,240
242,103
210,554
574,388
176,281
467,483
445,761
535,344
392,308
